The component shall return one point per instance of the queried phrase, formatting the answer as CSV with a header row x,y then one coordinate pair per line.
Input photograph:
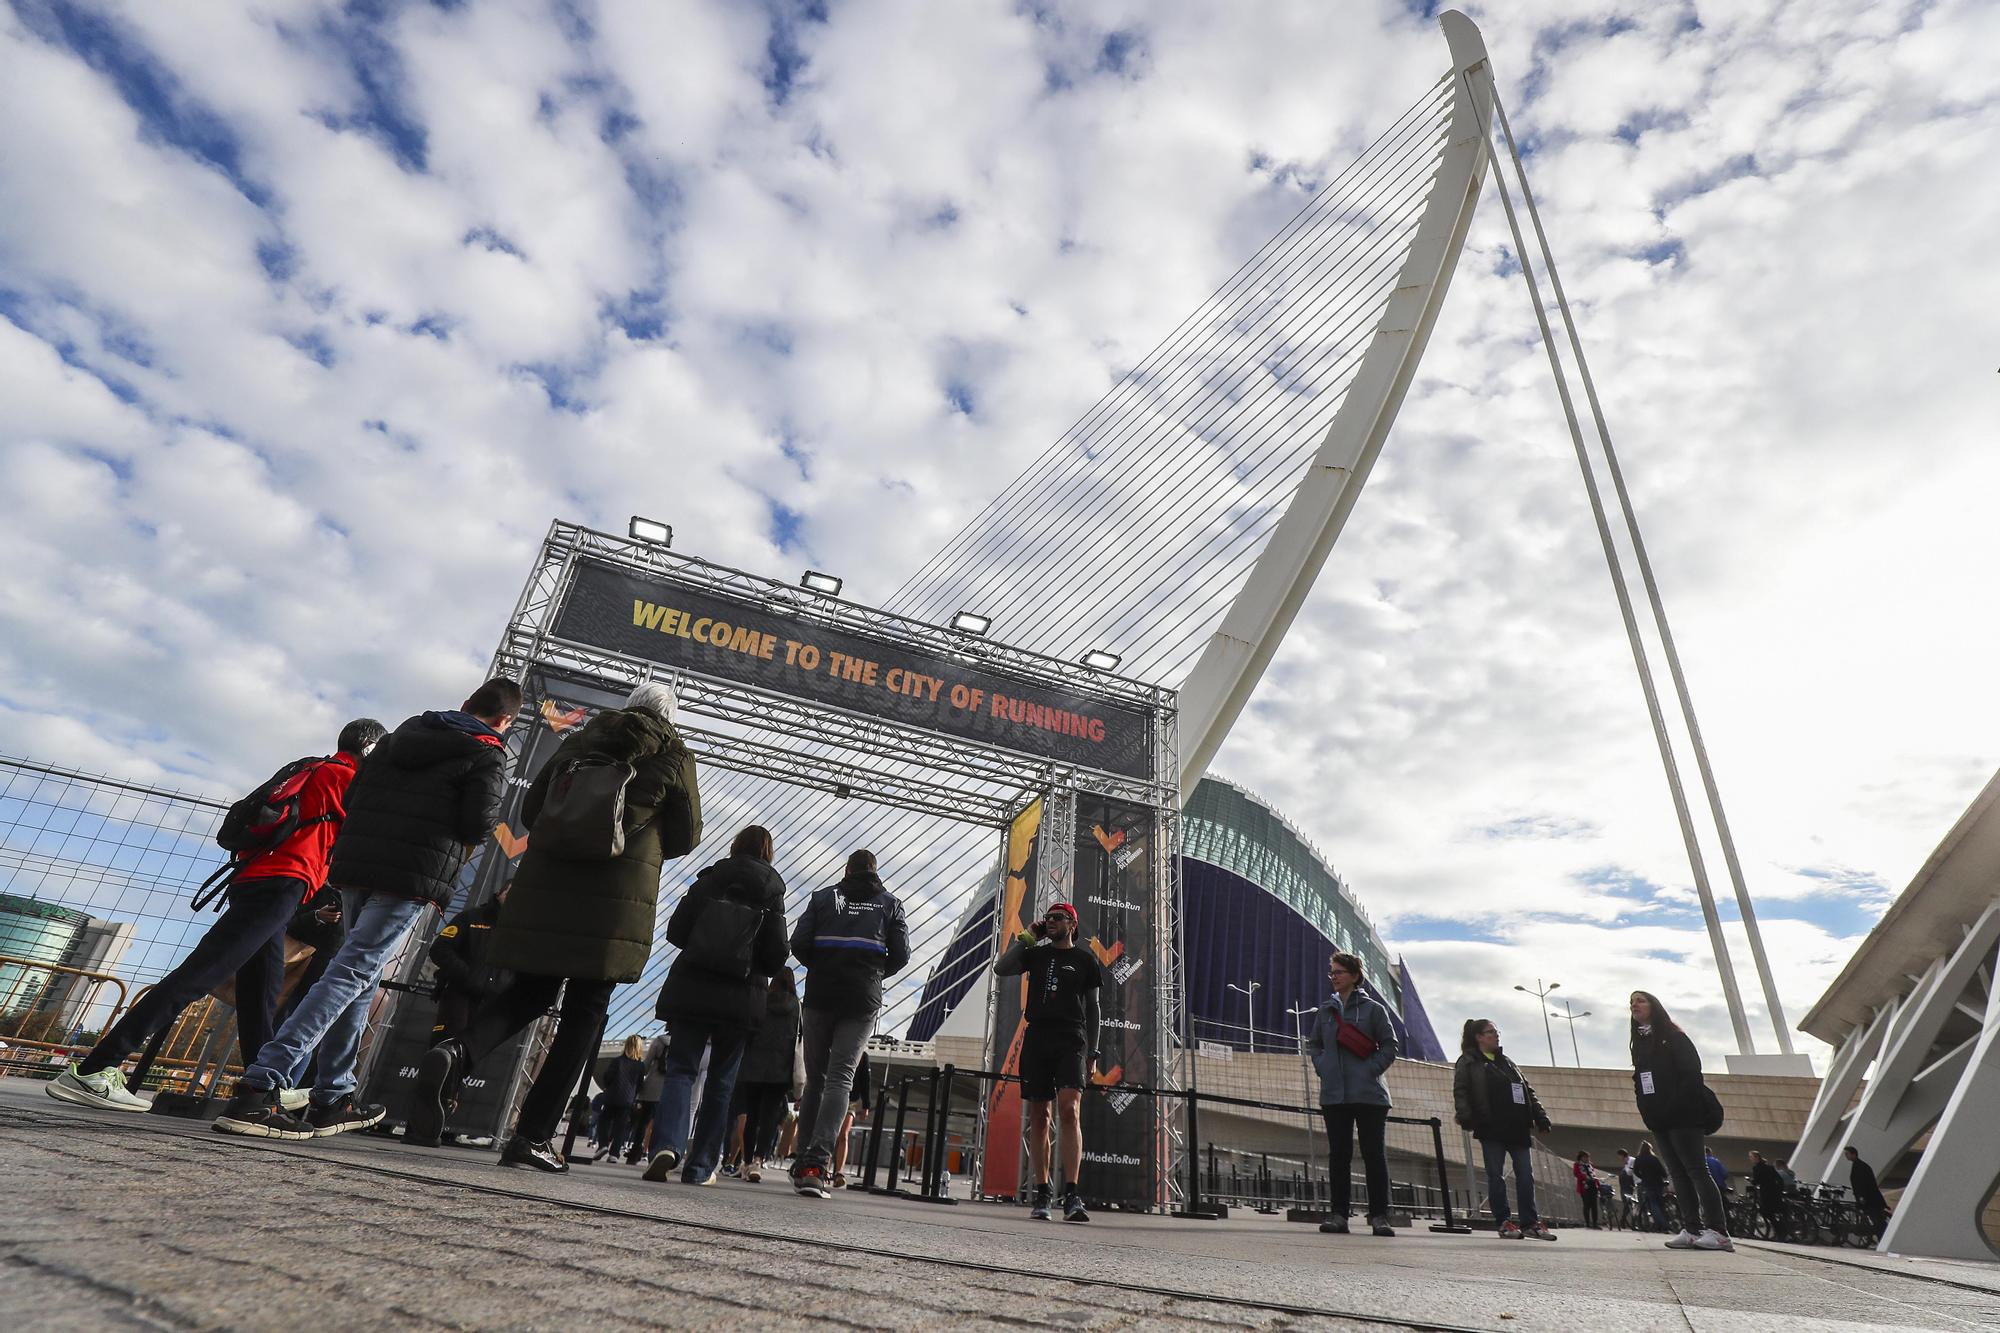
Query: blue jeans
x,y
1497,1157
685,1043
331,1015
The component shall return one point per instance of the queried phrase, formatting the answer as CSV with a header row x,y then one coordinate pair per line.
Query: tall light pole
x,y
1298,1013
1548,1030
1570,1018
1249,1019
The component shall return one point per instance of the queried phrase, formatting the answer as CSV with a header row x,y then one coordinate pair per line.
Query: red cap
x,y
1064,908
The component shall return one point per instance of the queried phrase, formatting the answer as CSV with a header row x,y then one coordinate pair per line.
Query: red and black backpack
x,y
260,822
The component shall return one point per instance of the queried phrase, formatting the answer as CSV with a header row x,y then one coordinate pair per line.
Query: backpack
x,y
259,822
725,937
583,815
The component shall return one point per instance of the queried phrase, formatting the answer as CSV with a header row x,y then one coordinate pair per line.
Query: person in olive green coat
x,y
578,927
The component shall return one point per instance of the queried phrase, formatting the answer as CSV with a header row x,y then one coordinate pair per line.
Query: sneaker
x,y
1073,1208
1380,1227
527,1152
1040,1212
342,1116
731,1170
294,1100
255,1112
1539,1231
811,1182
663,1164
1508,1231
839,1181
1334,1226
1714,1240
104,1090
1684,1241
753,1173
708,1179
437,1071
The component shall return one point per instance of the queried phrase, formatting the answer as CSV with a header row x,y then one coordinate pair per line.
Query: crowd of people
x,y
752,1068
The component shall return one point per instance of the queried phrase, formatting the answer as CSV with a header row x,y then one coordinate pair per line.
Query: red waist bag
x,y
1356,1042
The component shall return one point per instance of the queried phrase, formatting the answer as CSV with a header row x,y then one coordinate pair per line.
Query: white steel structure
x,y
1915,1021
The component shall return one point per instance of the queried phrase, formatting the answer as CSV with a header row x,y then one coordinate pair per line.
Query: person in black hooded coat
x,y
1674,1103
711,1010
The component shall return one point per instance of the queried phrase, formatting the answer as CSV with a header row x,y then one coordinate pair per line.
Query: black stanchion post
x,y
1451,1224
947,1083
896,1139
875,1135
579,1105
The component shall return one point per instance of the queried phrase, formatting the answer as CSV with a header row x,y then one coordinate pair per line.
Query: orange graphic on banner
x,y
1107,956
558,720
510,844
1110,842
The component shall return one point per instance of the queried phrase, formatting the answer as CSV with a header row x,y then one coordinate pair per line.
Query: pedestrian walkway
x,y
112,1220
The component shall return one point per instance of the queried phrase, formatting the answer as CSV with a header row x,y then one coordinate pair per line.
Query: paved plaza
x,y
121,1221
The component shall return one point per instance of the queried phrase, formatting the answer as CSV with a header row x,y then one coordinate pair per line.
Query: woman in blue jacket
x,y
1352,1045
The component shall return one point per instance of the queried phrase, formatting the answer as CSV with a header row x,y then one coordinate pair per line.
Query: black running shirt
x,y
1058,981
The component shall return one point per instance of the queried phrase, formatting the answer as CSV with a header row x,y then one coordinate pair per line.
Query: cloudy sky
x,y
313,316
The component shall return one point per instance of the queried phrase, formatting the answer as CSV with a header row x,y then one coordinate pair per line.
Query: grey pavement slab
x,y
116,1220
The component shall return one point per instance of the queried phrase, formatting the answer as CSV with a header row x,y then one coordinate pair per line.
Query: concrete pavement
x,y
113,1220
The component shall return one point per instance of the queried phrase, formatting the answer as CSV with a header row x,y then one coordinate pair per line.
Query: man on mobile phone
x,y
1060,1047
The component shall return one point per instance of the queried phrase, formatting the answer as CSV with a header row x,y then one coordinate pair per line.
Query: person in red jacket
x,y
246,941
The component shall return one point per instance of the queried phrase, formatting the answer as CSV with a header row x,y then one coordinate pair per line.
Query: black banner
x,y
744,641
1114,899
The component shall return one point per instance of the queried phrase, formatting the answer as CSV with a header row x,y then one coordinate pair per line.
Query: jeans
x,y
1497,1156
686,1042
1701,1201
332,1014
578,1028
1372,1124
833,1045
247,942
1652,1204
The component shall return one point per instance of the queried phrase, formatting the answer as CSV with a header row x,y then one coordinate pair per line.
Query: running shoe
x,y
294,1100
1539,1231
1334,1226
1073,1210
753,1174
342,1116
811,1182
838,1182
1379,1226
1508,1231
1040,1212
663,1164
104,1090
1684,1241
1713,1240
255,1112
541,1155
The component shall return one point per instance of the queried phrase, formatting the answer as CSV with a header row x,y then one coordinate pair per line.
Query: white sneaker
x,y
1713,1240
104,1090
294,1099
1684,1241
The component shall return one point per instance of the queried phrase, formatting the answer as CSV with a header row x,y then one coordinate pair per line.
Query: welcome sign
x,y
749,642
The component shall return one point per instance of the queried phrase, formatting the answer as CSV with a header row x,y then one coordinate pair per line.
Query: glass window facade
x,y
36,932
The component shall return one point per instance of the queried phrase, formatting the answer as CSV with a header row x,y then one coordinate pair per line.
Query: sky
x,y
313,316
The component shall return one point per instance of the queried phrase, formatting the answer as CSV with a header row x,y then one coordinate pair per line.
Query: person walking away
x,y
649,1098
426,799
1059,1049
1716,1170
774,1070
465,978
576,922
1626,1187
730,929
1678,1107
620,1077
1867,1190
1769,1187
1650,1174
247,942
850,938
1352,1045
1494,1101
1586,1188
857,1109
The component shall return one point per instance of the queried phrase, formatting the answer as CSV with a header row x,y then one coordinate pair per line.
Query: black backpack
x,y
259,822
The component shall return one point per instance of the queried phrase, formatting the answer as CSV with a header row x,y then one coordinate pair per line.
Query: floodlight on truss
x,y
825,584
971,622
1099,660
650,530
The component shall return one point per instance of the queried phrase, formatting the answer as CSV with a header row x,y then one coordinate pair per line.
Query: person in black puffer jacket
x,y
1674,1103
1492,1098
620,1077
574,928
773,1070
714,1010
424,799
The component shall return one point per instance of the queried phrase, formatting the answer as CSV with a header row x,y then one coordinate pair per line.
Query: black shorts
x,y
1052,1058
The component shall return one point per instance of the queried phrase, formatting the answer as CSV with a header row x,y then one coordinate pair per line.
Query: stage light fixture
x,y
825,584
1099,660
971,622
650,530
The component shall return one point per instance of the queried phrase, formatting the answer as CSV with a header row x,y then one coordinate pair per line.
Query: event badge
x,y
1646,1082
1520,1095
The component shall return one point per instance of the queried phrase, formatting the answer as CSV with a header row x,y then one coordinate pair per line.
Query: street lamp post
x,y
1570,1018
1548,1029
1249,1019
1298,1013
